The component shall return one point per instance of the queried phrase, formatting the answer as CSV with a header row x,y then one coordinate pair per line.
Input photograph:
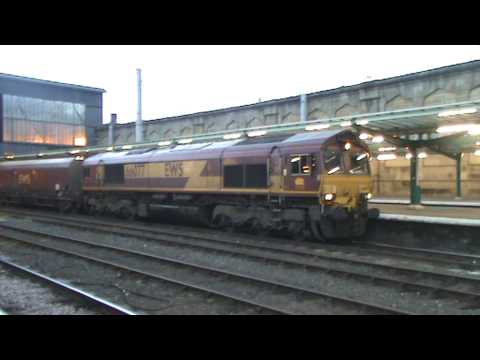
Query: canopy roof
x,y
413,128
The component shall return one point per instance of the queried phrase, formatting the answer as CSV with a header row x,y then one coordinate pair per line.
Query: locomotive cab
x,y
344,188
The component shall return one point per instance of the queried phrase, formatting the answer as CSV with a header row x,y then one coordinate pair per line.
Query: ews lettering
x,y
174,169
24,179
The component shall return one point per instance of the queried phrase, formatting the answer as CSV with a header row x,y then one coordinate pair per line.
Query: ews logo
x,y
24,179
174,169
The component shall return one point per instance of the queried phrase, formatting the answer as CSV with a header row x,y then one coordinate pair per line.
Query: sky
x,y
181,80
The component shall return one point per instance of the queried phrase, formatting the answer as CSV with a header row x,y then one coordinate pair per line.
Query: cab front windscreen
x,y
347,158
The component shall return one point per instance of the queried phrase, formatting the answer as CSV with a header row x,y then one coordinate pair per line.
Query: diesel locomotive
x,y
312,183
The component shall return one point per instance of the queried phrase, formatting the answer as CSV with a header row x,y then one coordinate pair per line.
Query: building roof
x,y
372,83
51,83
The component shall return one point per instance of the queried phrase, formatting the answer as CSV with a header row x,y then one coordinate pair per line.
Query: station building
x,y
40,115
396,97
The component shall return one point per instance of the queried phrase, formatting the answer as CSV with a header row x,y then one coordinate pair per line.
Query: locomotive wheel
x,y
65,207
223,222
126,213
316,232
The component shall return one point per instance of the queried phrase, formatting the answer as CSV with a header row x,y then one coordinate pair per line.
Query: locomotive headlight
x,y
329,196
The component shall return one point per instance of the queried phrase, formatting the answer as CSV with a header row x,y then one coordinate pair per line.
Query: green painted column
x,y
459,175
414,190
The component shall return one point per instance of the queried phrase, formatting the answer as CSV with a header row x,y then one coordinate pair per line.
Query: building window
x,y
30,120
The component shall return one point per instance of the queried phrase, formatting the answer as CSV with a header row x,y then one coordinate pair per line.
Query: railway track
x,y
431,283
75,294
278,297
465,261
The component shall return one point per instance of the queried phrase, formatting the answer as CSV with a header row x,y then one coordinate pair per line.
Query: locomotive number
x,y
135,171
174,169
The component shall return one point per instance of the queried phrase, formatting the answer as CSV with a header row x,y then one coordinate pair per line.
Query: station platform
x,y
432,214
428,202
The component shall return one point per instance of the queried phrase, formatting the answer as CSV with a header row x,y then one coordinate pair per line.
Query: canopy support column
x,y
414,191
458,159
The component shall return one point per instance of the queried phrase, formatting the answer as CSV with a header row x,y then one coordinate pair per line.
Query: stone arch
x,y
317,114
153,135
399,102
439,96
270,119
186,131
286,118
253,122
346,110
211,127
475,93
129,137
168,134
231,125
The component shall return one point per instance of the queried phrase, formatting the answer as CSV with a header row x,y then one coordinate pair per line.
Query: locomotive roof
x,y
38,163
258,146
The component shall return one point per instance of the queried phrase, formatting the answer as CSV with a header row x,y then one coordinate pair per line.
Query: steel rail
x,y
279,248
234,249
364,305
385,280
94,299
442,256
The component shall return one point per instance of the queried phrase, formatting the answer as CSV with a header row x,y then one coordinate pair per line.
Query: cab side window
x,y
300,165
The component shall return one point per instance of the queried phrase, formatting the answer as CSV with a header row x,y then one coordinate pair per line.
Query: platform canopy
x,y
447,129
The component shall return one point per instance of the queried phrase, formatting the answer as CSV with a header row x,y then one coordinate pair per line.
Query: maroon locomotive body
x,y
50,182
316,182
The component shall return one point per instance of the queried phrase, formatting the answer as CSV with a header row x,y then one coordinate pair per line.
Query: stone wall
x,y
438,86
436,175
449,84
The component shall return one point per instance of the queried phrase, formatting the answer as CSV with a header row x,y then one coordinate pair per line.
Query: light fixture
x,y
164,143
477,153
457,112
408,156
390,156
295,159
422,155
185,141
232,136
256,133
335,169
346,123
391,148
362,156
362,122
329,196
364,136
378,139
317,127
471,128
41,155
126,147
348,146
